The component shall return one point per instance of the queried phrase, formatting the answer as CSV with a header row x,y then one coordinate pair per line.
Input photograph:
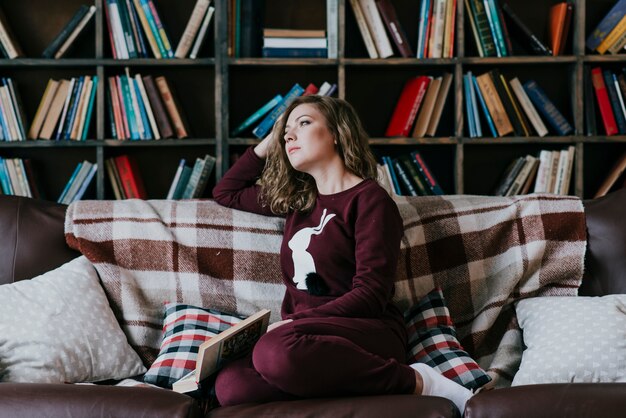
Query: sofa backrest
x,y
605,261
32,239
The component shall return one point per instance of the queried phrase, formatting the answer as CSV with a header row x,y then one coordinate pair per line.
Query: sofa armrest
x,y
33,240
588,400
27,400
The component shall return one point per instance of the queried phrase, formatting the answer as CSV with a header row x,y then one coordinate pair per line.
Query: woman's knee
x,y
274,356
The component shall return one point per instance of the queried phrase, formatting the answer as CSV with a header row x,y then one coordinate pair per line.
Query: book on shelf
x,y
17,178
522,32
545,106
604,104
231,344
409,175
172,105
202,33
611,179
268,122
394,28
258,114
494,104
192,28
74,24
408,104
426,173
249,31
559,19
332,28
529,109
130,177
606,25
10,45
440,101
376,28
199,176
368,40
426,112
78,182
475,10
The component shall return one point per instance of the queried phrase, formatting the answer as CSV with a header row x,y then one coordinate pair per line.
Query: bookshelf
x,y
217,92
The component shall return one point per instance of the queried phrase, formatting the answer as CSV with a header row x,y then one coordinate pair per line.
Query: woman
x,y
340,333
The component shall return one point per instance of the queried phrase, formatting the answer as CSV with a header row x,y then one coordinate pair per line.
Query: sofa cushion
x,y
59,328
605,264
572,340
185,328
432,340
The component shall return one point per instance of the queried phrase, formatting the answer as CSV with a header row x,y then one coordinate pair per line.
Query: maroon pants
x,y
318,357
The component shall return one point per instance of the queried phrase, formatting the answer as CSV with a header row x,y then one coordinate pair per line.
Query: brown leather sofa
x,y
32,242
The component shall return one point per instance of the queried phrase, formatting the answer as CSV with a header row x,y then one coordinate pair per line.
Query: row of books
x,y
144,108
17,178
301,43
77,185
492,31
549,172
435,32
126,181
12,116
9,46
509,107
609,89
418,110
247,36
190,182
65,109
271,110
610,34
408,175
136,25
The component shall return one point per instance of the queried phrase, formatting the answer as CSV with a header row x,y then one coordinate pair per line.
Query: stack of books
x,y
190,182
78,182
126,181
550,172
271,110
17,178
65,109
144,108
435,32
419,108
408,175
508,107
300,43
9,46
610,34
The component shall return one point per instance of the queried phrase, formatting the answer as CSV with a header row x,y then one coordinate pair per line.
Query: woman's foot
x,y
431,383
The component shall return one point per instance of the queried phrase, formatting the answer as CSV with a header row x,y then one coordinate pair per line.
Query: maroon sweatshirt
x,y
350,241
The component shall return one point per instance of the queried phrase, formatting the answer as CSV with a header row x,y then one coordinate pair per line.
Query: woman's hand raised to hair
x,y
261,149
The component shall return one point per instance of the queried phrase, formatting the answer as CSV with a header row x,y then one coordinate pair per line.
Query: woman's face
x,y
309,144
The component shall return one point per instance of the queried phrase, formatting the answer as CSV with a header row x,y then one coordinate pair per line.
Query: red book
x,y
130,177
608,118
310,89
406,109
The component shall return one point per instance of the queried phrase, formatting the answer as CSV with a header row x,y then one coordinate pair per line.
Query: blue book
x,y
71,115
547,109
294,52
94,88
607,24
182,183
422,28
145,5
614,99
498,35
143,49
128,106
83,187
69,182
492,27
142,111
468,107
266,125
470,83
392,173
483,105
67,107
4,178
257,115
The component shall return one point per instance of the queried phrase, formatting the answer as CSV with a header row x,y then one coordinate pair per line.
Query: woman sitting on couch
x,y
340,333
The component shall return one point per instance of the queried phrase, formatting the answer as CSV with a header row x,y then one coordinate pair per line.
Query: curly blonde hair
x,y
284,189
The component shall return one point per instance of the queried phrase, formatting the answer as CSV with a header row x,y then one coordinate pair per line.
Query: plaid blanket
x,y
484,252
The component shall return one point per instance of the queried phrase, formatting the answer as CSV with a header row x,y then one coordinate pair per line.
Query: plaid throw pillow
x,y
432,340
185,328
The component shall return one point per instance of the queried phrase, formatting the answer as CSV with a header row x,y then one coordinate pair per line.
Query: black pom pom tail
x,y
316,285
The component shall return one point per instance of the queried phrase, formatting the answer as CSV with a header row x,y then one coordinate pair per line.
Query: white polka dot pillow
x,y
432,340
572,339
185,328
59,328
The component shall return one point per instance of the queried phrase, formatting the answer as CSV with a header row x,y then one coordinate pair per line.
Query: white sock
x,y
435,384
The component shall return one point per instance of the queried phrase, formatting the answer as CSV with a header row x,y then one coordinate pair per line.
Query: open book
x,y
231,344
